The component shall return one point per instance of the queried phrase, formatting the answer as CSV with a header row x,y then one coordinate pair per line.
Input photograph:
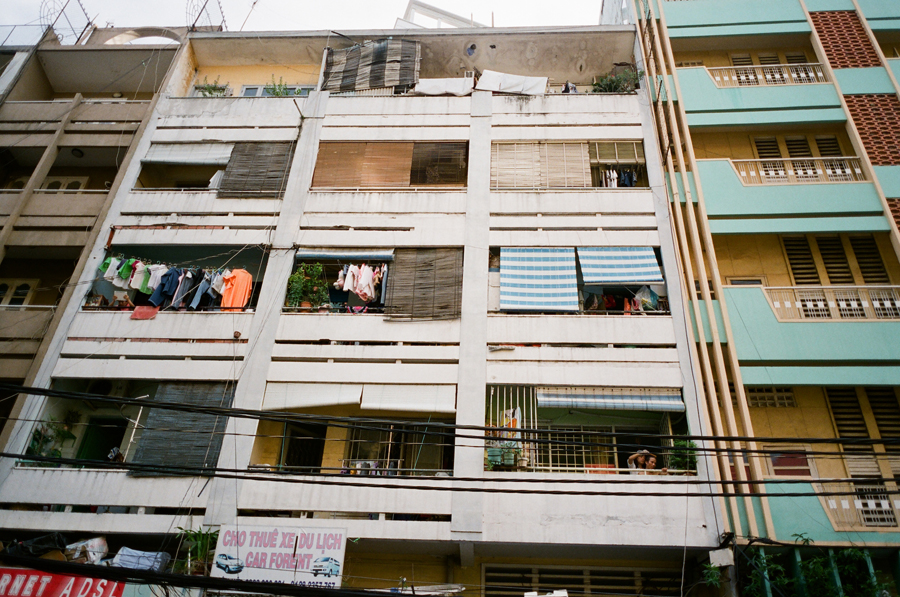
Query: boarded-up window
x,y
257,170
557,165
372,65
425,284
184,439
372,165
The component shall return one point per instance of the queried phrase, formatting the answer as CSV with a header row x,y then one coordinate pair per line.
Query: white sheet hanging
x,y
502,82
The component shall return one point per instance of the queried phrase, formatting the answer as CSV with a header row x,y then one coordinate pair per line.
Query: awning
x,y
346,254
216,154
415,398
644,399
619,265
458,86
504,83
538,279
281,396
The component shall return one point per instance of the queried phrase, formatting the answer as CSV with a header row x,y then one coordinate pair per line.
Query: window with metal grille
x,y
257,170
868,257
828,146
772,397
800,260
850,424
398,449
795,58
350,165
834,258
425,284
513,581
688,63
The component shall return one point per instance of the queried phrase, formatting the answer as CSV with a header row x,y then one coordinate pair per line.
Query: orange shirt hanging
x,y
237,289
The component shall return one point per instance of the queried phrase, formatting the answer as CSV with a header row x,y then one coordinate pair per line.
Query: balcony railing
x,y
799,170
770,74
835,302
864,506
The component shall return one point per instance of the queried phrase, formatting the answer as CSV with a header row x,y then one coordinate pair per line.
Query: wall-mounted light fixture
x,y
77,152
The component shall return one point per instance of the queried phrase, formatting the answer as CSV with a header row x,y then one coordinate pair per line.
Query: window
x,y
772,397
509,580
404,284
790,461
261,90
595,280
391,165
840,259
17,292
257,171
399,449
761,281
64,183
688,63
303,447
603,164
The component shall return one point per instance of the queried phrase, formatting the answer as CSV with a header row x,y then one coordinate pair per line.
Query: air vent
x,y
767,148
848,417
835,259
828,146
795,58
869,259
741,60
798,147
803,266
768,58
887,413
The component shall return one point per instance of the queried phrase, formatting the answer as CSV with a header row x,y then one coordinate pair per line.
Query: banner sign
x,y
285,554
23,582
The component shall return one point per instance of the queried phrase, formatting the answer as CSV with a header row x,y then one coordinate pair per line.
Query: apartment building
x,y
70,117
467,420
781,122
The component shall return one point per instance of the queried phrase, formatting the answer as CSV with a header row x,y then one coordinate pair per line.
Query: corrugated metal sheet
x,y
649,399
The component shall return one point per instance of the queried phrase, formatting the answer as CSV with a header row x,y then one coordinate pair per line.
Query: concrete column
x,y
251,378
466,522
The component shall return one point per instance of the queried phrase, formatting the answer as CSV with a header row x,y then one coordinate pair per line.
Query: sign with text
x,y
23,582
278,553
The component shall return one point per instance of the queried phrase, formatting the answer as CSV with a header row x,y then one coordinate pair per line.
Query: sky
x,y
269,15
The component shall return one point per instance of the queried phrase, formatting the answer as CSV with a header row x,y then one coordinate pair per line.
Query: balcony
x,y
799,171
835,303
775,74
864,507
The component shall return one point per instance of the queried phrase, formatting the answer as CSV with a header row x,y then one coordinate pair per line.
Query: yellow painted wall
x,y
267,447
739,145
335,447
752,256
811,418
717,58
237,76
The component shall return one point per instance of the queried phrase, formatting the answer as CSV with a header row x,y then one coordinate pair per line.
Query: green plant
x,y
213,89
757,570
853,569
624,82
279,88
683,456
199,546
49,437
712,576
307,285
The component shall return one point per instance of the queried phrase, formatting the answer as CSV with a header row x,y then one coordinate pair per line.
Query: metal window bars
x,y
835,302
770,74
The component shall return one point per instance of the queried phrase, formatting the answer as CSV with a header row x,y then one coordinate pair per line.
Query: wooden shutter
x,y
767,148
339,165
425,284
869,260
184,439
886,410
516,166
444,164
828,146
795,58
837,267
741,60
257,170
850,424
567,165
800,259
768,59
798,147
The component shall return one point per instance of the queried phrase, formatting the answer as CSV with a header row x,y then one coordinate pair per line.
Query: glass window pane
x,y
251,91
53,185
4,288
20,294
73,185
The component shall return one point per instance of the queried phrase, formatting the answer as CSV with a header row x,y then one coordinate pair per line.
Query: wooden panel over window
x,y
257,170
349,165
425,284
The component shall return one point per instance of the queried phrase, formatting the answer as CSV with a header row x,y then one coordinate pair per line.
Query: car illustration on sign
x,y
326,566
229,563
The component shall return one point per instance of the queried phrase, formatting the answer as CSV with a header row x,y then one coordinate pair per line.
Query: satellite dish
x,y
197,14
69,24
50,11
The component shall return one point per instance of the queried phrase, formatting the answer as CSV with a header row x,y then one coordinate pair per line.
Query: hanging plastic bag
x,y
647,299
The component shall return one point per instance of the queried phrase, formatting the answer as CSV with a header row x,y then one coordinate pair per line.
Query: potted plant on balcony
x,y
199,547
49,437
214,89
307,287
